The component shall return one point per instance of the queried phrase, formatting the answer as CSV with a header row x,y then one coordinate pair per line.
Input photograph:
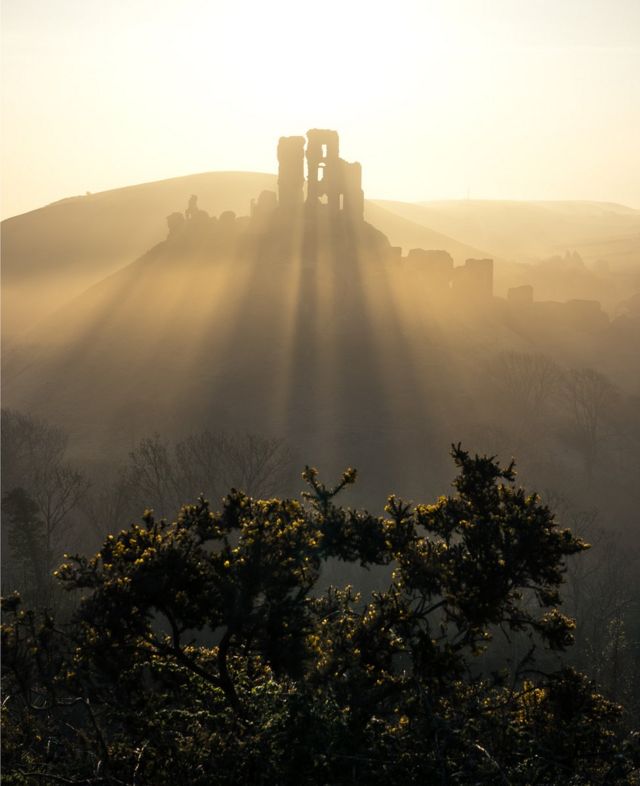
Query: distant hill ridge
x,y
523,230
52,254
306,324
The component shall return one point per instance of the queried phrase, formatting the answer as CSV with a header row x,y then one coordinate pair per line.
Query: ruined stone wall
x,y
291,172
474,279
352,193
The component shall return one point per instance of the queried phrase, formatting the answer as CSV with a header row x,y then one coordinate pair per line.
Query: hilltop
x,y
51,255
235,301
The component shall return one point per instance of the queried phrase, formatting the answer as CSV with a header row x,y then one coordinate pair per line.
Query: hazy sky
x,y
519,99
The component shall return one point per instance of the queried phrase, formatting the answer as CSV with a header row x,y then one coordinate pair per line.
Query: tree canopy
x,y
210,650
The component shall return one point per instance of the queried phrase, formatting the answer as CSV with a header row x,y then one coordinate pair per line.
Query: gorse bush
x,y
203,651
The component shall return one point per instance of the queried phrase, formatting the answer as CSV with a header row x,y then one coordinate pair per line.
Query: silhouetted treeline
x,y
51,504
569,426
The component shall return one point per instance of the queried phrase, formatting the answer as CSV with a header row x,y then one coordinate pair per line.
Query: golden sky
x,y
497,99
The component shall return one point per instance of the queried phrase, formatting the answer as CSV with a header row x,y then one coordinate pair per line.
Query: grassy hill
x,y
394,220
52,254
523,231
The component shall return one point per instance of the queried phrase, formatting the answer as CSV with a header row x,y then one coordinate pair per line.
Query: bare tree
x,y
213,463
29,445
528,380
200,459
57,490
601,595
33,458
164,476
589,397
254,464
108,507
151,475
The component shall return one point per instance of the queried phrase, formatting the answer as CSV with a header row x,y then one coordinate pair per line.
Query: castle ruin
x,y
332,182
322,194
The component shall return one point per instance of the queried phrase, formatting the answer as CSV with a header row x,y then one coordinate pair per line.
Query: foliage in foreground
x,y
204,651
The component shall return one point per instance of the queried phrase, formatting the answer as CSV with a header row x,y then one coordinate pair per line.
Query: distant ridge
x,y
53,253
525,230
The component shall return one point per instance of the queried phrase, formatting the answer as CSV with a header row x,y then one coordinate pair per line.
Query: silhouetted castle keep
x,y
331,180
319,208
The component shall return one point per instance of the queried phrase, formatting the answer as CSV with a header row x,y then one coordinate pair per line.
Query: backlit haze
x,y
438,100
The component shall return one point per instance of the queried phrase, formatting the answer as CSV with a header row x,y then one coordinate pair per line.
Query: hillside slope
x,y
518,230
52,254
348,354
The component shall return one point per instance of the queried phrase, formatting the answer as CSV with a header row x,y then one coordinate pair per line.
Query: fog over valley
x,y
320,393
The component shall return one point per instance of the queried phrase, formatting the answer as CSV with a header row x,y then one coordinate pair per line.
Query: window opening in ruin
x,y
324,151
324,199
341,201
320,173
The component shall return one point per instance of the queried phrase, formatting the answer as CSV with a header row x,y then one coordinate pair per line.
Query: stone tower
x,y
333,184
290,173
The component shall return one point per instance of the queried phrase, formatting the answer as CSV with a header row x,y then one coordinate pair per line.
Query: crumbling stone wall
x,y
474,279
